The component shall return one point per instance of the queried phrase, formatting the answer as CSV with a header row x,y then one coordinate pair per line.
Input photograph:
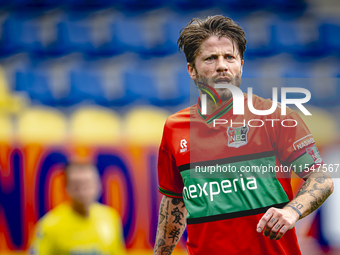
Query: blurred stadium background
x,y
98,79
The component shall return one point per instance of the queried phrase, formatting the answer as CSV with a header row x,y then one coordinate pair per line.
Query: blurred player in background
x,y
242,213
81,226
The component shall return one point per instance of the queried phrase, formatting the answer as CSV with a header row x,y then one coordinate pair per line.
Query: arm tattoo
x,y
318,200
167,250
295,209
304,188
166,218
170,226
176,201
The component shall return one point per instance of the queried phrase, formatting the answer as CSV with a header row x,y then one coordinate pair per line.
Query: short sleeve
x,y
169,177
296,146
42,243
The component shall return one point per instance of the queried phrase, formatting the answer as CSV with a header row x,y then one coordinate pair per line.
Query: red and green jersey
x,y
230,169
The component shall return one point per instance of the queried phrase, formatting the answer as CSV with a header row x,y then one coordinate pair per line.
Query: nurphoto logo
x,y
238,100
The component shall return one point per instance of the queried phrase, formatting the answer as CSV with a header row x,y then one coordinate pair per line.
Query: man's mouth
x,y
222,80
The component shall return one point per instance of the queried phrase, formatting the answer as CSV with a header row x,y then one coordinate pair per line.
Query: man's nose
x,y
221,65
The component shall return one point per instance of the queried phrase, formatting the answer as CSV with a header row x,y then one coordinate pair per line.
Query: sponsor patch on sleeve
x,y
303,142
314,153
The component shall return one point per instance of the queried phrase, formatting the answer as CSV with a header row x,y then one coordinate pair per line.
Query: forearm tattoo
x,y
173,227
310,188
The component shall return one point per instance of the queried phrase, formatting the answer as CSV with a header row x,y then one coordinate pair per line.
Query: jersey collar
x,y
216,114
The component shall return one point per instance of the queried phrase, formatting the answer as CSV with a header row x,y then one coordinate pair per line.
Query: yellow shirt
x,y
62,231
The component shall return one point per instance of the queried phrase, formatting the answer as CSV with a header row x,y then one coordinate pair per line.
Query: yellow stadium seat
x,y
9,103
144,126
42,125
322,125
95,126
6,130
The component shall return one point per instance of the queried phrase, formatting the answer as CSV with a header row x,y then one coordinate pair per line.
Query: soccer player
x,y
228,177
82,226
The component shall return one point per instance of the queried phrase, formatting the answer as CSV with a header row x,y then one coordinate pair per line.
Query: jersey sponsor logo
x,y
314,153
215,188
303,142
183,145
237,136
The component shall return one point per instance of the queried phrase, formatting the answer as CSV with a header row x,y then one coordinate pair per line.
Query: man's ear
x,y
242,66
191,71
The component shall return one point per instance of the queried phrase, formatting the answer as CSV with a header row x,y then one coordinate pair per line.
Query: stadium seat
x,y
330,36
144,125
245,6
89,4
36,4
137,5
171,30
37,87
6,131
259,35
288,7
144,35
105,82
95,126
42,125
325,90
299,37
43,85
160,82
11,36
87,85
191,5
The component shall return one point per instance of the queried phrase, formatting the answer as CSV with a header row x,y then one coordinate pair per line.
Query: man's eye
x,y
230,57
210,58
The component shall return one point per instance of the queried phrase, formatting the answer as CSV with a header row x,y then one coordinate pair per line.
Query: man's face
x,y
218,61
83,184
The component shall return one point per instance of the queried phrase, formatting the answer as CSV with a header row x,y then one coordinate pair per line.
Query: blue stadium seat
x,y
299,37
304,77
244,6
45,4
87,85
160,82
11,37
36,84
137,5
260,36
330,36
89,4
191,5
172,90
292,8
142,36
171,30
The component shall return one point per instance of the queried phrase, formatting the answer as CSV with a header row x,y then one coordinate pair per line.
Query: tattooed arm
x,y
171,224
314,192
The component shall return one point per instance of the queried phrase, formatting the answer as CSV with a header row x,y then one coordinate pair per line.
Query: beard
x,y
224,93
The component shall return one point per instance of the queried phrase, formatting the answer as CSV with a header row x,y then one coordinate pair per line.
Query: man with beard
x,y
232,212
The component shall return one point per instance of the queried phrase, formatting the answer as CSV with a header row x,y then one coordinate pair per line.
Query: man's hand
x,y
316,189
276,222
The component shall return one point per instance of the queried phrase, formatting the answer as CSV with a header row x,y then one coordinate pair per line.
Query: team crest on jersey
x,y
314,153
237,136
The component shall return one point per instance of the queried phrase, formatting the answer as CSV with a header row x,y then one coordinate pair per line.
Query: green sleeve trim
x,y
169,193
302,163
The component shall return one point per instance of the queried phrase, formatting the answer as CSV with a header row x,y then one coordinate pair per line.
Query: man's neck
x,y
211,106
81,209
